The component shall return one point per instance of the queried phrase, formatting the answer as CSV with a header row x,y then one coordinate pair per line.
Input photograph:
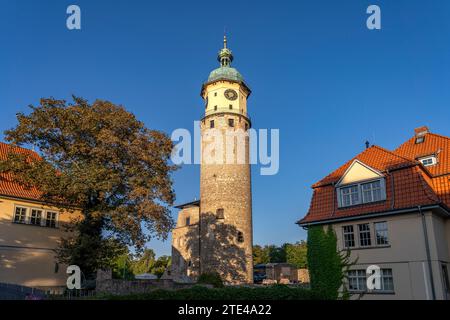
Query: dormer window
x,y
350,196
361,193
420,139
371,191
428,161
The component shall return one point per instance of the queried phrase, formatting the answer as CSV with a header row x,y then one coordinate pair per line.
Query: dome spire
x,y
225,56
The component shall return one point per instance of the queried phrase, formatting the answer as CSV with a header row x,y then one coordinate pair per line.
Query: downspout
x,y
427,248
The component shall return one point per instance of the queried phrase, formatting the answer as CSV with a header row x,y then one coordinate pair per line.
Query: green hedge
x,y
211,278
276,292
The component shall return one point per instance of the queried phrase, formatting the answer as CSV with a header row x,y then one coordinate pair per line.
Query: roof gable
x,y
374,157
357,172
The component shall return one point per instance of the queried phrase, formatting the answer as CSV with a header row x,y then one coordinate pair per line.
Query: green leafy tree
x,y
99,159
327,266
296,254
276,254
122,267
260,255
161,265
145,262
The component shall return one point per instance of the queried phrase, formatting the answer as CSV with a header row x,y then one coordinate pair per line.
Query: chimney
x,y
420,133
367,144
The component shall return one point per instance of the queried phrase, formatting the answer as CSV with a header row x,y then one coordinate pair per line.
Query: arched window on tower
x,y
220,213
240,236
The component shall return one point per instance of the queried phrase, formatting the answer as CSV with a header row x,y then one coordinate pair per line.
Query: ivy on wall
x,y
327,266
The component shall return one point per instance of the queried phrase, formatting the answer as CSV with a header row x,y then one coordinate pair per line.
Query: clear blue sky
x,y
317,73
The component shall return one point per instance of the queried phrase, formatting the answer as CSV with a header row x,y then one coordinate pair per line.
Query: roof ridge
x,y
396,154
320,183
19,148
438,135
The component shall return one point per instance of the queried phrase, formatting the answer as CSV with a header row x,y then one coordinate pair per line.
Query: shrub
x,y
212,278
276,292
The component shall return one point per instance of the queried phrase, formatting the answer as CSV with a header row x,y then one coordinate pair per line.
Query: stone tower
x,y
225,216
214,234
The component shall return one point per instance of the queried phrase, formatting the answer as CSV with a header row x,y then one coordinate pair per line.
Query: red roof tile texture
x,y
10,188
408,182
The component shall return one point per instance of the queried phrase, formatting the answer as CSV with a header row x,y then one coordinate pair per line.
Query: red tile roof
x,y
10,188
408,182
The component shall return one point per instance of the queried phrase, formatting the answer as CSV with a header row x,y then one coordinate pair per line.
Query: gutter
x,y
377,214
427,249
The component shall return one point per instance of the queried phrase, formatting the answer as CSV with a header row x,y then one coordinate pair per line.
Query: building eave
x,y
443,210
195,203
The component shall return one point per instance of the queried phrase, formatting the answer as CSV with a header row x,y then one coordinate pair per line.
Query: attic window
x,y
366,192
420,139
428,161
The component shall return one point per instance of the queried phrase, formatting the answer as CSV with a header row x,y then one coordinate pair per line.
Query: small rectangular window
x,y
50,220
215,94
371,191
350,196
349,237
387,281
446,279
420,139
20,215
36,217
215,108
364,235
220,214
428,161
211,124
381,233
231,106
188,221
231,122
240,237
357,280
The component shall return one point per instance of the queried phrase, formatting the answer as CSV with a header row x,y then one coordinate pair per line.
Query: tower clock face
x,y
230,94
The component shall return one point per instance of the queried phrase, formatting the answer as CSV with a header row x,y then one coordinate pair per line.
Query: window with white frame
x,y
364,235
349,236
387,281
50,220
350,196
428,161
371,191
381,233
357,280
366,192
36,217
20,215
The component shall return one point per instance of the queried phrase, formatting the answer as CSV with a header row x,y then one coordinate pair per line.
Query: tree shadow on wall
x,y
220,247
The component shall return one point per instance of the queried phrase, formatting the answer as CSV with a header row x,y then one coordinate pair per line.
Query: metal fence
x,y
17,292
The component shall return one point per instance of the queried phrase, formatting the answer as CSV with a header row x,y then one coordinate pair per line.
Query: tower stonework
x,y
223,237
